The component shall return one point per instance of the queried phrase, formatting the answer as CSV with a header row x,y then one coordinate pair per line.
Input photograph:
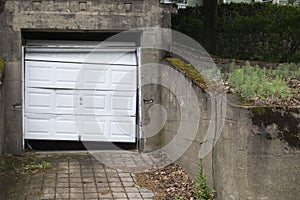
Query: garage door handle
x,y
80,100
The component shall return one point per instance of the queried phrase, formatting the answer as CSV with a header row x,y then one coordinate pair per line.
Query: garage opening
x,y
78,89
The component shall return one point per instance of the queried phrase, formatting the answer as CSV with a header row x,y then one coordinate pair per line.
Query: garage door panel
x,y
109,128
94,75
39,100
50,127
123,103
108,103
37,125
93,56
79,76
92,102
112,57
65,126
87,128
49,101
85,102
66,102
123,78
39,74
91,127
67,76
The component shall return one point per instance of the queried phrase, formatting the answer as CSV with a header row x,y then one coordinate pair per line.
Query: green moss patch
x,y
189,71
1,65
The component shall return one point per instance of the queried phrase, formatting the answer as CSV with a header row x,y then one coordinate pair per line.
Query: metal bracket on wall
x,y
148,100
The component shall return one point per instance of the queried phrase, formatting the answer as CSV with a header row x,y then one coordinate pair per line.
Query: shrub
x,y
252,82
255,31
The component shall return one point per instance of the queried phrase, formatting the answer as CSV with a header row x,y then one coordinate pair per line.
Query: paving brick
x,y
75,180
123,174
115,184
119,195
76,196
47,196
113,179
48,190
88,180
91,195
75,175
76,190
87,185
62,196
131,189
117,189
103,196
62,190
134,195
128,184
90,190
62,185
74,185
62,180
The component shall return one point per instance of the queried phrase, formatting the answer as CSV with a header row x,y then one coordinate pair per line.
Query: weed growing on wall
x,y
203,191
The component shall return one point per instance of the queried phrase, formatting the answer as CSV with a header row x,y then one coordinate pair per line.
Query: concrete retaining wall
x,y
1,121
257,155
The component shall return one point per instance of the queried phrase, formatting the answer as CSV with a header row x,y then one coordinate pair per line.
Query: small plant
x,y
203,191
24,163
177,197
38,166
254,82
137,186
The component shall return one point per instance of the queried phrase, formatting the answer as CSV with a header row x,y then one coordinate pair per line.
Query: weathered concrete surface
x,y
61,15
1,120
257,155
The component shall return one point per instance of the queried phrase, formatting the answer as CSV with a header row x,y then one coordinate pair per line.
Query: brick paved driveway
x,y
82,176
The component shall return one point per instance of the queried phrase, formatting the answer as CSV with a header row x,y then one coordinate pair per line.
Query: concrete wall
x,y
1,121
257,155
62,15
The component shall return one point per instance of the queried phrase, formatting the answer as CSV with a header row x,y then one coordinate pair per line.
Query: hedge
x,y
255,31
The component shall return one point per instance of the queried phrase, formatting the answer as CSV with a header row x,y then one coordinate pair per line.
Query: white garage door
x,y
73,94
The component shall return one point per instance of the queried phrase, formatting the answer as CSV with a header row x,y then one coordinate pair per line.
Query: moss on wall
x,y
189,71
286,121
